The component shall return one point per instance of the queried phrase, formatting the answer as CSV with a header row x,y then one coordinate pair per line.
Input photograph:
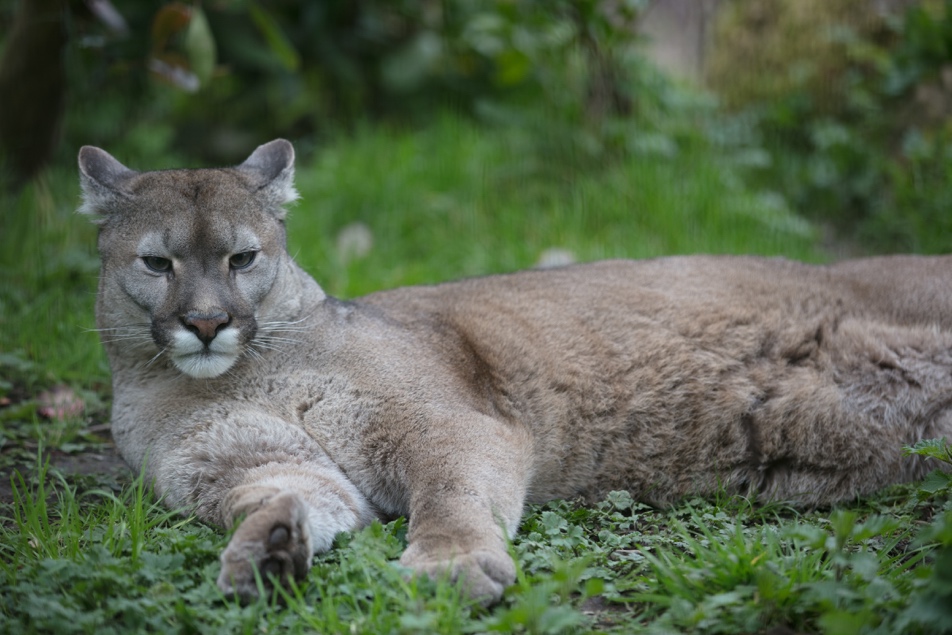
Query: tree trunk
x,y
32,90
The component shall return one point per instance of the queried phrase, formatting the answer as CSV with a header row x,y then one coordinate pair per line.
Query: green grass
x,y
455,201
48,272
97,562
80,555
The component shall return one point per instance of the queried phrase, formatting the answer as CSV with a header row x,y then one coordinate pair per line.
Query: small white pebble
x,y
354,241
555,257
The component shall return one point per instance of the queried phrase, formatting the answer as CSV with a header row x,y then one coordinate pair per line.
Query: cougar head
x,y
192,255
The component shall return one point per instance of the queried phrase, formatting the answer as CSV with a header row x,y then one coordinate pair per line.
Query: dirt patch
x,y
99,464
605,614
103,460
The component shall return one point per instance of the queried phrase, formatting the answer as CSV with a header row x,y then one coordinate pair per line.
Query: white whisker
x,y
271,338
125,336
265,346
128,338
157,355
145,329
284,322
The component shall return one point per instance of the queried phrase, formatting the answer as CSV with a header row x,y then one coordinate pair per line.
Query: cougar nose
x,y
206,327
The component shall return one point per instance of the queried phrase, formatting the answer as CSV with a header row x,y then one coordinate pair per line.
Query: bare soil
x,y
99,463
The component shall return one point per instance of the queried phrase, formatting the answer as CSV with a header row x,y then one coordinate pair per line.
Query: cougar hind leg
x,y
837,429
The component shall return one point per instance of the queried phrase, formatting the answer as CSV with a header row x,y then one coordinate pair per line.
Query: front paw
x,y
275,540
484,573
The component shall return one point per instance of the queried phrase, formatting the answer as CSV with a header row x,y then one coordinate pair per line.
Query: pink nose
x,y
206,327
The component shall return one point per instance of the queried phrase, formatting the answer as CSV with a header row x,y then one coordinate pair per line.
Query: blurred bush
x,y
213,79
840,108
854,108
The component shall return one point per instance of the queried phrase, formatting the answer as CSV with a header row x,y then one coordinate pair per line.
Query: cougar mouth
x,y
204,361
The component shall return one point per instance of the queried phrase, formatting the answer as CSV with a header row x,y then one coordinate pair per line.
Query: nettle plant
x,y
938,484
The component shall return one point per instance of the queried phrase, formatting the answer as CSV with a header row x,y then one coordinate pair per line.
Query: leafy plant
x,y
854,113
938,484
930,606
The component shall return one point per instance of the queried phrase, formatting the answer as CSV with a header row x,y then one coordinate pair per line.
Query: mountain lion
x,y
252,396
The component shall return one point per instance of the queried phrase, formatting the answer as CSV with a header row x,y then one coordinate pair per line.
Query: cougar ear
x,y
103,181
270,168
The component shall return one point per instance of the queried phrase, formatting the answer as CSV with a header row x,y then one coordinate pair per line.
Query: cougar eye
x,y
157,264
242,260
